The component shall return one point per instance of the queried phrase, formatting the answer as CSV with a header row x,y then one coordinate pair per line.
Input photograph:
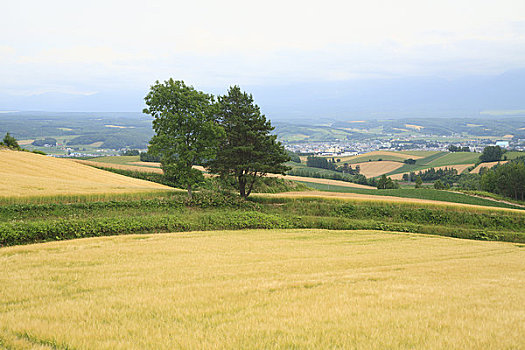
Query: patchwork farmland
x,y
165,265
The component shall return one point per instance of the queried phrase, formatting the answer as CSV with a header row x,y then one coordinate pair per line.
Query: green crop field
x,y
514,155
423,154
263,289
455,158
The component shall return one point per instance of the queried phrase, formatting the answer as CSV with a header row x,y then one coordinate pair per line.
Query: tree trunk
x,y
254,178
242,186
190,195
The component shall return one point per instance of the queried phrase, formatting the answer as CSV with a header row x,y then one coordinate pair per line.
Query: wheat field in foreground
x,y
263,289
25,174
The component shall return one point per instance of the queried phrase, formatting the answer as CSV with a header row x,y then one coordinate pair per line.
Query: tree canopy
x,y
385,183
10,141
491,154
186,133
247,149
506,179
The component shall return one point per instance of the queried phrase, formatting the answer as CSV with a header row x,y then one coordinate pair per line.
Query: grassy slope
x,y
514,155
22,224
263,289
422,154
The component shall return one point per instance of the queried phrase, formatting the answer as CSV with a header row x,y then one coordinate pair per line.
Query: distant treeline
x,y
331,164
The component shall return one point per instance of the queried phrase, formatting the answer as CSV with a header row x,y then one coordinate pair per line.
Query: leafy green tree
x,y
419,182
491,154
10,141
438,185
186,133
386,183
294,157
469,181
247,151
507,180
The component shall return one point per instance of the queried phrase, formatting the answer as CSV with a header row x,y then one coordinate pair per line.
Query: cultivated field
x,y
25,174
486,165
384,155
321,181
381,196
373,169
459,167
140,168
263,289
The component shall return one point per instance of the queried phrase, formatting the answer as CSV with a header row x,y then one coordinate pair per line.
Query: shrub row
x,y
46,230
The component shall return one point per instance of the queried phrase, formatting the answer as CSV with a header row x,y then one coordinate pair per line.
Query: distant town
x,y
349,148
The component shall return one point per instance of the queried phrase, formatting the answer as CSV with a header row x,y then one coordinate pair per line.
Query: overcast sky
x,y
92,46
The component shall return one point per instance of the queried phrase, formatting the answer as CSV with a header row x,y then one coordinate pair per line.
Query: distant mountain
x,y
414,97
120,101
394,98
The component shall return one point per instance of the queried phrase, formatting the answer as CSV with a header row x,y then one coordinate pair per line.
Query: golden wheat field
x,y
373,198
28,174
486,165
144,169
320,181
377,168
257,289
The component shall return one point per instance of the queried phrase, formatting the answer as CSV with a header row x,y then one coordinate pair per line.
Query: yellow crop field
x,y
486,165
257,289
120,166
379,198
459,167
155,164
413,126
320,181
25,174
373,169
25,142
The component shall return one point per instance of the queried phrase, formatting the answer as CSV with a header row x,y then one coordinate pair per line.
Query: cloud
x,y
84,55
102,45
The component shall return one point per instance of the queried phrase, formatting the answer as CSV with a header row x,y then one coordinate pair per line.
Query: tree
x,y
186,131
248,150
419,182
10,141
438,185
386,183
507,179
491,154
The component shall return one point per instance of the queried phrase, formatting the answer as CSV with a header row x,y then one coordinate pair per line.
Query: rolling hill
x,y
28,174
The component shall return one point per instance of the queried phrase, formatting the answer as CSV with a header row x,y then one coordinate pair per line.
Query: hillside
x,y
27,174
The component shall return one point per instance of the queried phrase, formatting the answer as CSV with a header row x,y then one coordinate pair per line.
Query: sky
x,y
93,47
